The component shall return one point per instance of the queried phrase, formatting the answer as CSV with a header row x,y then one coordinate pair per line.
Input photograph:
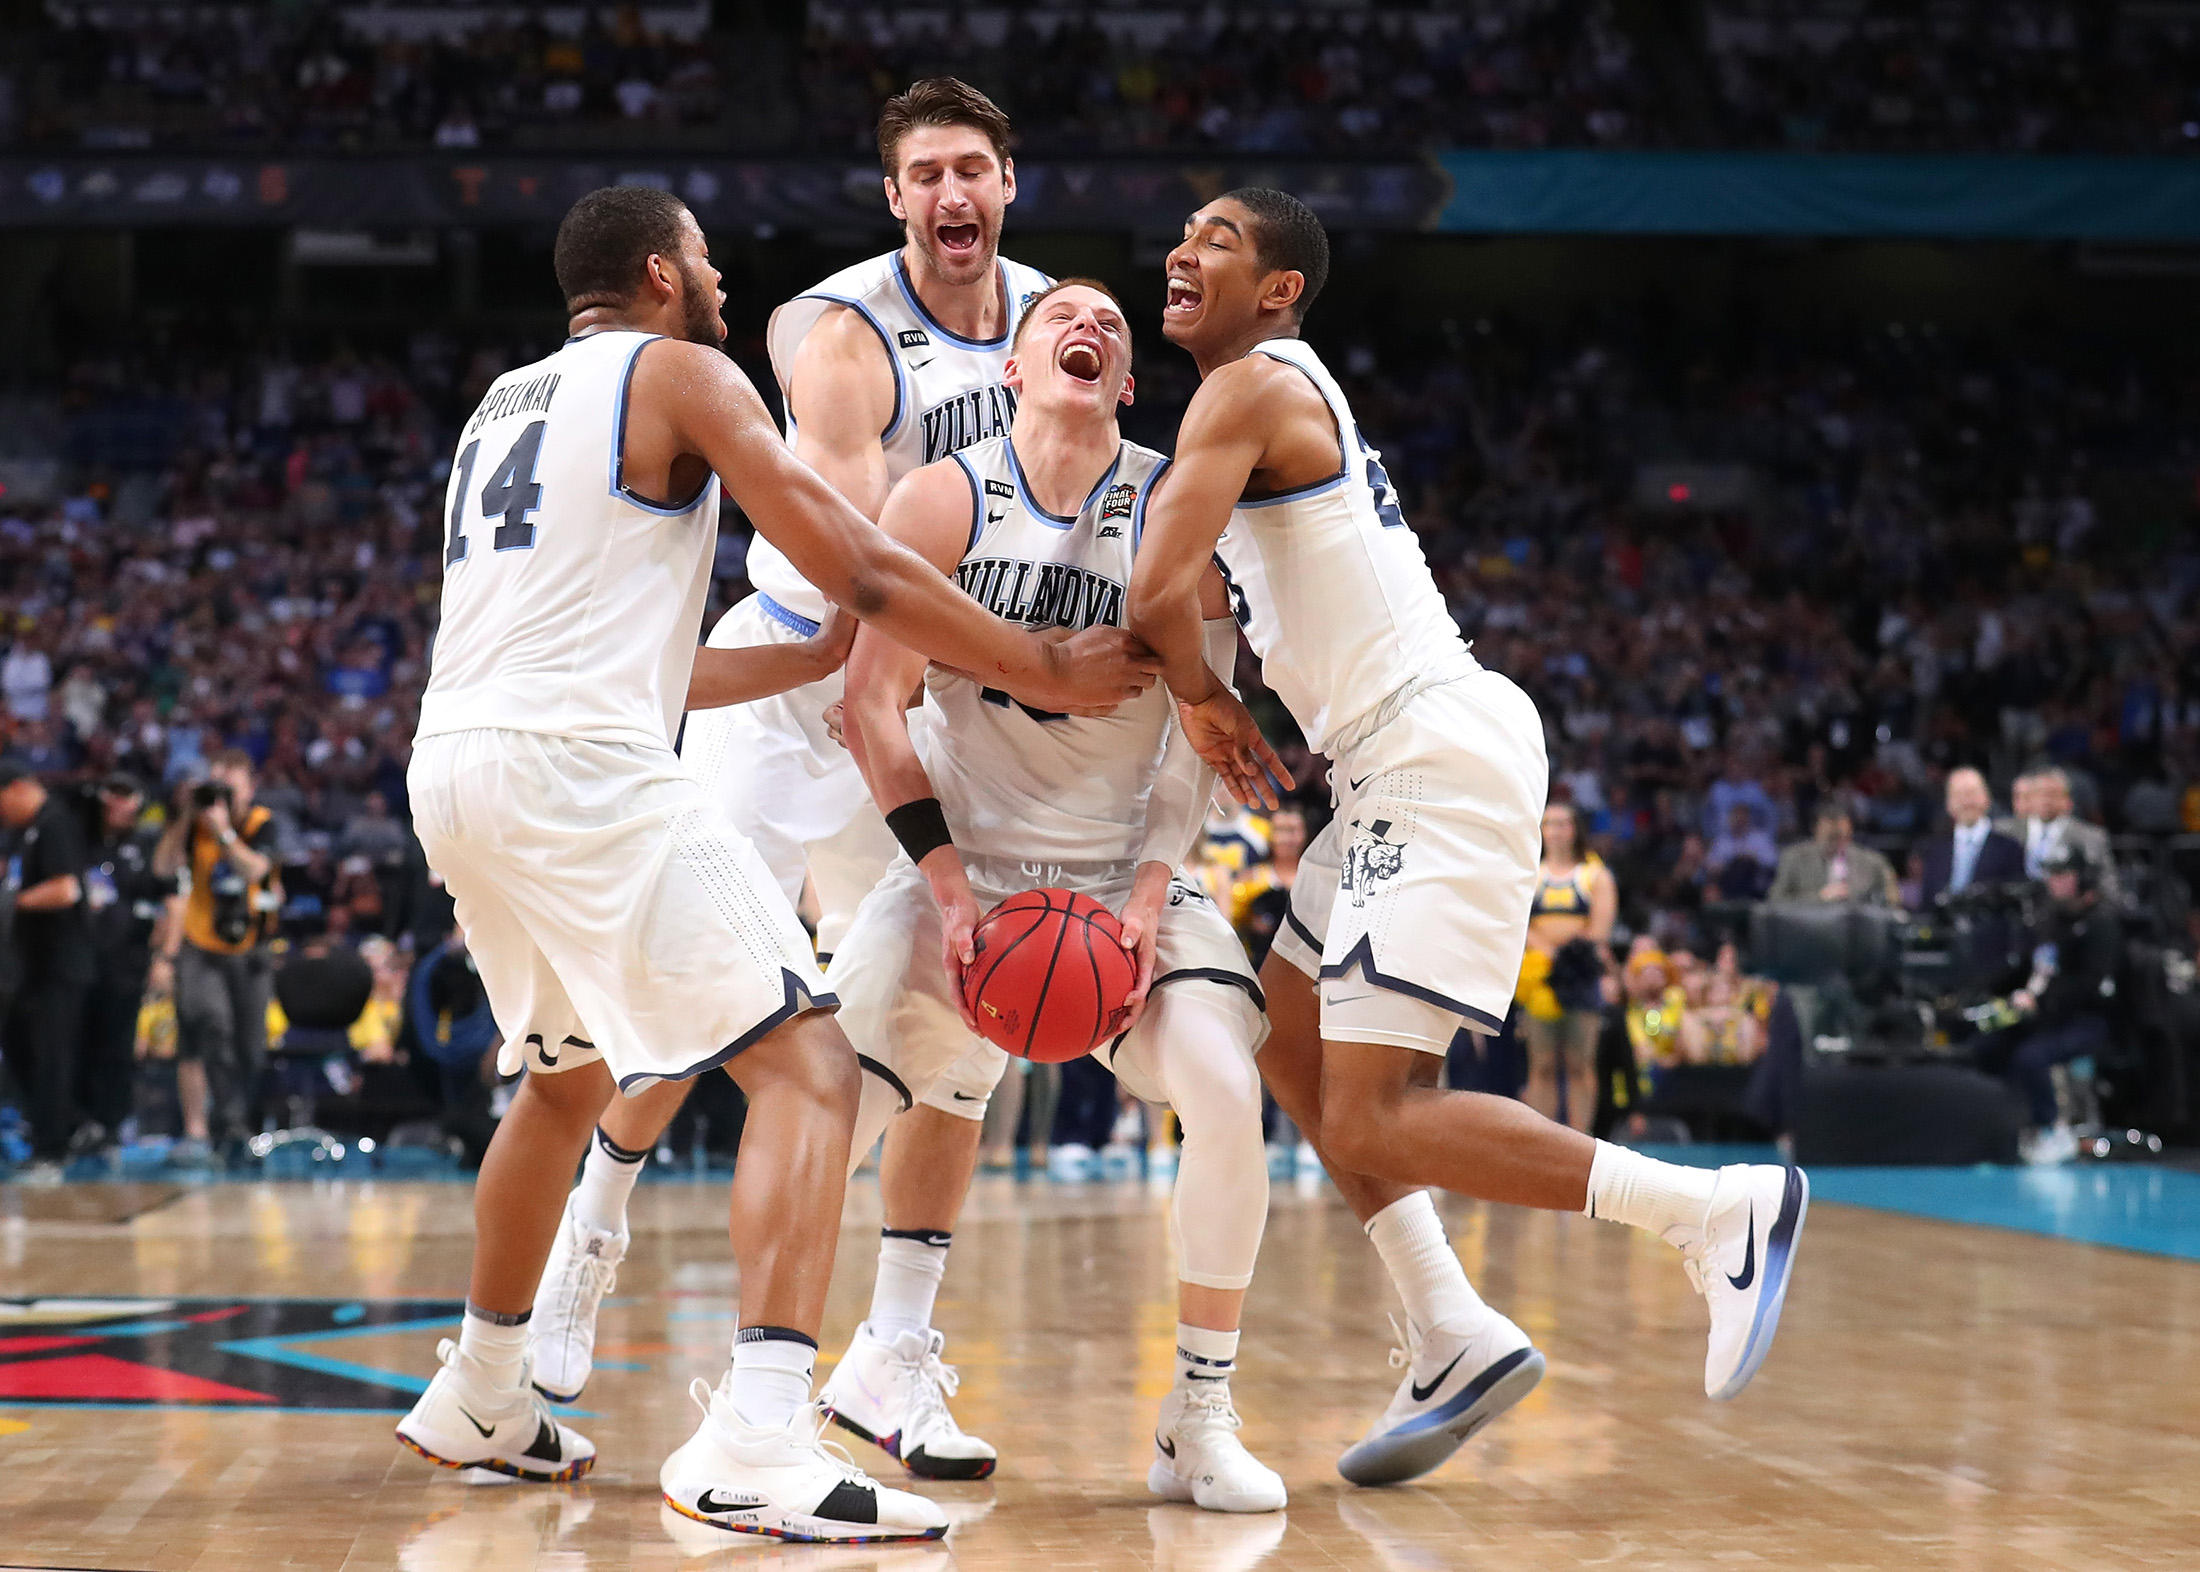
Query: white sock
x,y
772,1369
607,1179
911,1262
1410,1238
497,1344
1203,1354
1665,1199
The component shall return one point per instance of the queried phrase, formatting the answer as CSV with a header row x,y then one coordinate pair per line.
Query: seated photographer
x,y
1970,852
1830,866
2061,1013
1563,971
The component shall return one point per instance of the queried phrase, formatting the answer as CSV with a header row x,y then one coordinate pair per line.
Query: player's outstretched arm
x,y
1218,448
1176,807
711,409
757,671
930,513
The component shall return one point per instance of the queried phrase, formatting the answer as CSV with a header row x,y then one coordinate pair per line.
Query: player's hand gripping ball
x,y
1051,979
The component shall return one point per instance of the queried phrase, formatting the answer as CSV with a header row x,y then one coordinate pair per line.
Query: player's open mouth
x,y
1184,297
1080,361
958,239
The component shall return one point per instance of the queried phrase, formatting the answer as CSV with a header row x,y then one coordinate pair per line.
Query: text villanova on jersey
x,y
1042,594
968,418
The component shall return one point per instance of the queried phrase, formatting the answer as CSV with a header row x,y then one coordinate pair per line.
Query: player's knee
x,y
1355,1131
571,1100
1218,1097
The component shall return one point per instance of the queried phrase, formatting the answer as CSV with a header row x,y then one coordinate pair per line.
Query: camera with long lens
x,y
230,891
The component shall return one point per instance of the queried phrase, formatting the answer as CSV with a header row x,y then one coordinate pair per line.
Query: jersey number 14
x,y
511,494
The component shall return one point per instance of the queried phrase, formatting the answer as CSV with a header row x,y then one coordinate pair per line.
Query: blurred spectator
x,y
1741,860
1654,1006
1260,900
1972,851
1832,867
53,941
451,1020
1563,970
2054,824
375,1034
1234,845
221,846
1723,1021
372,833
131,909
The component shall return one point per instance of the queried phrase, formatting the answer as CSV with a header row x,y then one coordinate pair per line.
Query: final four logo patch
x,y
1371,858
1117,504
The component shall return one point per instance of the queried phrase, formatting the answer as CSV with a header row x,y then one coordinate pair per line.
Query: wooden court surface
x,y
1940,1397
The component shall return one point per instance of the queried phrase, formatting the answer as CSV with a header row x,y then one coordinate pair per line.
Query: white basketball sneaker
x,y
463,1422
1739,1261
1197,1456
893,1393
785,1483
561,1339
1455,1384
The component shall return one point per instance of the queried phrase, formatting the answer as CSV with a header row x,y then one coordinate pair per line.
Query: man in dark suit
x,y
1970,851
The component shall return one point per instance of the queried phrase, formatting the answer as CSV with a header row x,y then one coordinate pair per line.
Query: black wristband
x,y
921,827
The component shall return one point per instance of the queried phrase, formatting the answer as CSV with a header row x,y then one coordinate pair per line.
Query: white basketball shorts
x,y
897,1004
611,910
1411,907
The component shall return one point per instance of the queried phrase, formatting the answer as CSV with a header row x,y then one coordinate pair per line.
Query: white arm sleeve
x,y
1176,808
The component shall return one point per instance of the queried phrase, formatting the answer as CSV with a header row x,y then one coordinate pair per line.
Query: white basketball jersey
x,y
1330,584
1016,782
571,605
948,391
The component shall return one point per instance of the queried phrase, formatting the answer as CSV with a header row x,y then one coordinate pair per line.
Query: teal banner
x,y
1950,197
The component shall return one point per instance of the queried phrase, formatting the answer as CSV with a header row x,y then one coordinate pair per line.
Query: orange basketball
x,y
1051,975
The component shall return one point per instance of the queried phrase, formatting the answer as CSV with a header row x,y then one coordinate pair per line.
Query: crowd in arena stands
x,y
329,78
2021,78
2045,75
1924,556
1524,73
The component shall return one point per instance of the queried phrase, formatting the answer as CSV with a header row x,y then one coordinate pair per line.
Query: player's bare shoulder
x,y
1258,398
934,510
678,388
841,359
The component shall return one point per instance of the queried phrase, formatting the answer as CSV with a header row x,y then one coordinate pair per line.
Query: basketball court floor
x,y
206,1379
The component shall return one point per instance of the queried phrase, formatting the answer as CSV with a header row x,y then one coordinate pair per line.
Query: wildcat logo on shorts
x,y
1369,860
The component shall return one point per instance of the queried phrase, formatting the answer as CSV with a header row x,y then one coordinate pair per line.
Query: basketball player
x,y
1411,908
884,366
625,934
1041,528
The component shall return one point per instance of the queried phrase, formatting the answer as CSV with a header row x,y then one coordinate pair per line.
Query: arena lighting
x,y
1677,492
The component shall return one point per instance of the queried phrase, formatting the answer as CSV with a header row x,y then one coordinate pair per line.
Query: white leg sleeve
x,y
1194,1051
